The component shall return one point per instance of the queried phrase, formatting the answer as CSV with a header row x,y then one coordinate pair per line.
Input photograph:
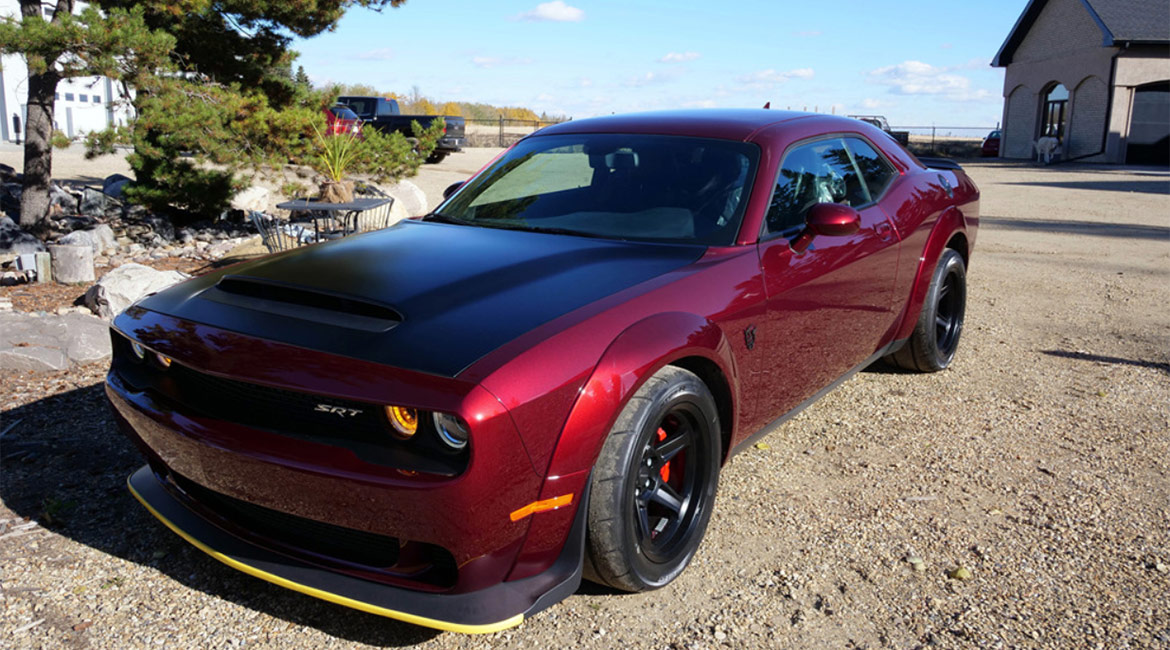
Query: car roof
x,y
723,123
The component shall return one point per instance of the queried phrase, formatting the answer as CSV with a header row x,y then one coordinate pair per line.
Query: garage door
x,y
1149,127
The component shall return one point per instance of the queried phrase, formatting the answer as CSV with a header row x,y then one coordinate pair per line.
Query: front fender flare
x,y
633,357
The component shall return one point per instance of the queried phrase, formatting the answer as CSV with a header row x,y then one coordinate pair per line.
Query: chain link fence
x,y
948,141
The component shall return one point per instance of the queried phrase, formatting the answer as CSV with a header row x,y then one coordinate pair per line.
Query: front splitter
x,y
495,608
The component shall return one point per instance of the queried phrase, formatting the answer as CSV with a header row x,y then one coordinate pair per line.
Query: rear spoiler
x,y
939,163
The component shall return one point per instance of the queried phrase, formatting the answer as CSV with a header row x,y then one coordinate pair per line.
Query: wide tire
x,y
654,484
940,323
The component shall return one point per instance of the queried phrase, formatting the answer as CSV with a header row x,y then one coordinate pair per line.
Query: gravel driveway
x,y
1039,465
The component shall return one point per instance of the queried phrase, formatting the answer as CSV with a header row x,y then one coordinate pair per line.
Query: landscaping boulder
x,y
115,184
14,241
30,342
410,197
100,238
119,288
254,198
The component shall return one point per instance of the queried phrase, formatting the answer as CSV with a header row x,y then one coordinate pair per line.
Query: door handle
x,y
884,230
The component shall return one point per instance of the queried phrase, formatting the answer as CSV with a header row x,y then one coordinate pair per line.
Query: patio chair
x,y
278,234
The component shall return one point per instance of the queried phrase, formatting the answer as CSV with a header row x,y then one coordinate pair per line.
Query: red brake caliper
x,y
665,471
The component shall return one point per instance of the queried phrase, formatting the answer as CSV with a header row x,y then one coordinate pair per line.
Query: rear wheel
x,y
654,484
936,336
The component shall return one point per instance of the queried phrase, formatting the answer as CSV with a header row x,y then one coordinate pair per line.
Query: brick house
x,y
1095,73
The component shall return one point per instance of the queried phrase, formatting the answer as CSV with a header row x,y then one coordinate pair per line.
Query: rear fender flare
x,y
949,223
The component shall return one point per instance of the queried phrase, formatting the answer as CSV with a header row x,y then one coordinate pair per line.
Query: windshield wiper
x,y
548,230
439,217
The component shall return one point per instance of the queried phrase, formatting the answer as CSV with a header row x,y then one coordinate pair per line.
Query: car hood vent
x,y
327,307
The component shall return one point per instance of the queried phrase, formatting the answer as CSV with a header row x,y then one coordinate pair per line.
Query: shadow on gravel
x,y
1092,228
1084,356
65,464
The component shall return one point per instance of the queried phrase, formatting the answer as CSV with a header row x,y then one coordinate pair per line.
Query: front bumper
x,y
494,608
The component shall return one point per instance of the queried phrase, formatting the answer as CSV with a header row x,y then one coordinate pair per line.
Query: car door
x,y
829,307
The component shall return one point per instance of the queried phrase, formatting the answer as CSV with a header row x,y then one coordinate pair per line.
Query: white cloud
x,y
495,62
585,82
769,77
871,103
679,57
555,11
918,78
381,54
701,103
650,79
808,33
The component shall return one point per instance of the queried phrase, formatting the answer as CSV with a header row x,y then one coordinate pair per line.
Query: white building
x,y
83,104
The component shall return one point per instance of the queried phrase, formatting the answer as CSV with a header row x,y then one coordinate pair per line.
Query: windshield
x,y
359,105
619,186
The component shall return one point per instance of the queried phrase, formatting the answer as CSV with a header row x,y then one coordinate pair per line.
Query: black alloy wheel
x,y
654,484
932,345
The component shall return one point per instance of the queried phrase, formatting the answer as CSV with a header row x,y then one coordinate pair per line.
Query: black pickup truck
x,y
384,115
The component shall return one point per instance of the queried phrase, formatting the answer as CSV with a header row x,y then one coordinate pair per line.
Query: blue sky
x,y
917,62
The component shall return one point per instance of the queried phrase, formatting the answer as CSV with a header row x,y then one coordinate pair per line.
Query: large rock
x,y
99,238
14,241
119,288
30,342
115,184
253,198
61,201
412,199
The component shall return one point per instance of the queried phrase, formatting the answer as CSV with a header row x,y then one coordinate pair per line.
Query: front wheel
x,y
654,484
936,335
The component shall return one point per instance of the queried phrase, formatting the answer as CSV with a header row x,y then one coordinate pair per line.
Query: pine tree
x,y
117,44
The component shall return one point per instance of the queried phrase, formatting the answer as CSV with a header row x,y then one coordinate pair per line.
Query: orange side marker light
x,y
541,506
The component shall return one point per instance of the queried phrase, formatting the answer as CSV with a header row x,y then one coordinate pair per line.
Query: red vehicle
x,y
450,421
990,147
341,120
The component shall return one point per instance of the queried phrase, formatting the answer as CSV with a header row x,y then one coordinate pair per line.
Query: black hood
x,y
421,296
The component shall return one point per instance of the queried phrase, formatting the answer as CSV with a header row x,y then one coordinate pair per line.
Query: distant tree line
x,y
415,103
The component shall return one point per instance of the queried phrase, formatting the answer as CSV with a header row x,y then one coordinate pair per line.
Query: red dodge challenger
x,y
452,421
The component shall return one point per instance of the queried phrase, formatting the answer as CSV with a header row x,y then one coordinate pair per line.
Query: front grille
x,y
361,427
284,410
347,544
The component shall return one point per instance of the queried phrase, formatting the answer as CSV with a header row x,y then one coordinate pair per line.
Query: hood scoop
x,y
294,301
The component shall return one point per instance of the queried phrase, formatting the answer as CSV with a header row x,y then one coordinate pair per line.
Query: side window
x,y
876,171
817,172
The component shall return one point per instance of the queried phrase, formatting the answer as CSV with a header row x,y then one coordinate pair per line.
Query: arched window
x,y
1055,112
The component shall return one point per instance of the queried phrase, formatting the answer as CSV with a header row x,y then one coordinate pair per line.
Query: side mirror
x,y
451,189
828,219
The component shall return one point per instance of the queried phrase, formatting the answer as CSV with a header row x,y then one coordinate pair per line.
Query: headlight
x,y
139,351
452,430
404,420
162,360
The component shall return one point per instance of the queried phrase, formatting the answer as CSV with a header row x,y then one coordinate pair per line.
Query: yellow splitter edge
x,y
324,595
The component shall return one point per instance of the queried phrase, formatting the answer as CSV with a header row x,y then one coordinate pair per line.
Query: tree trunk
x,y
38,128
38,151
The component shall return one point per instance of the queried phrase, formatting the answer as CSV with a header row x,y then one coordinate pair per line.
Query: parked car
x,y
340,120
451,421
990,148
384,115
880,121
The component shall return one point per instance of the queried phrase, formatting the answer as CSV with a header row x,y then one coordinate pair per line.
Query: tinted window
x,y
621,186
360,106
874,169
817,172
68,97
343,113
